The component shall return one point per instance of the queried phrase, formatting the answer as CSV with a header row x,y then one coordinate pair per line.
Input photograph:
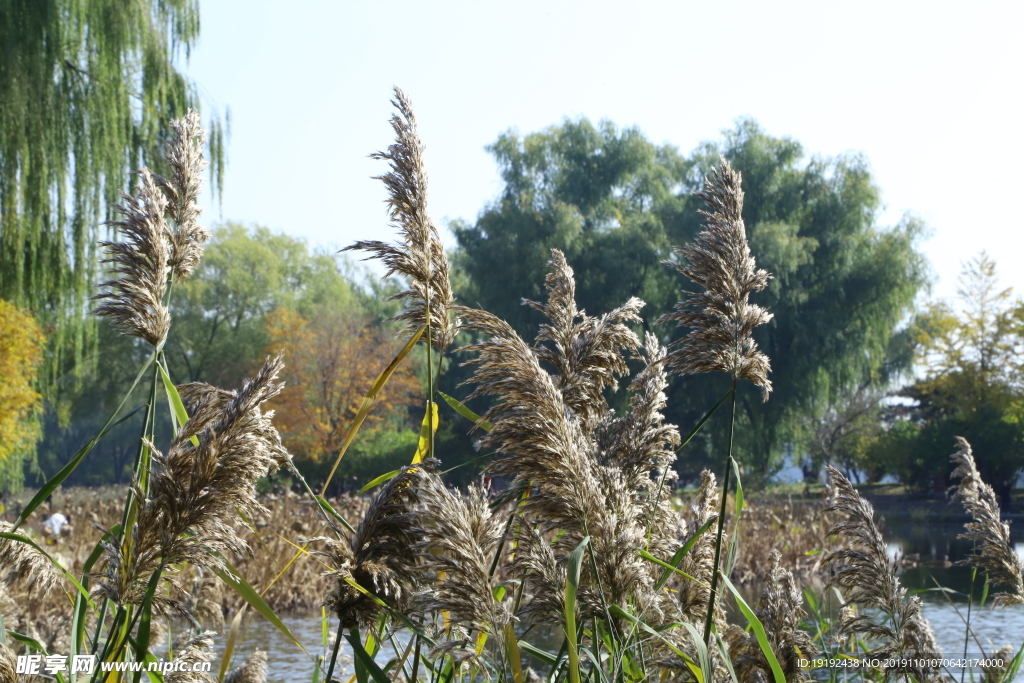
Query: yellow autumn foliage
x,y
21,352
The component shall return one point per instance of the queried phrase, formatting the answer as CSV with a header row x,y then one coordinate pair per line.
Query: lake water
x,y
935,549
932,548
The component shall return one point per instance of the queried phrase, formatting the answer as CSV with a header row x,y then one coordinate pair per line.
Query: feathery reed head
x,y
460,536
994,551
544,576
185,157
196,492
640,442
254,670
135,301
8,665
721,317
381,556
586,355
195,651
867,576
700,561
780,611
539,435
23,563
420,255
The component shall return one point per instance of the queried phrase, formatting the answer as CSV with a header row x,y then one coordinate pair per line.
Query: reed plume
x,y
867,576
186,160
254,670
587,355
419,257
135,301
996,672
460,535
641,443
700,561
994,551
780,611
23,563
195,651
381,556
556,434
541,440
721,317
197,492
8,665
544,576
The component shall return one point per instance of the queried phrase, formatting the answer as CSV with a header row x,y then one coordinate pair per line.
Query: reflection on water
x,y
932,550
285,661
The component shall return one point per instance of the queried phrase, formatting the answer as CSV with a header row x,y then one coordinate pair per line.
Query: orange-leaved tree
x,y
21,352
332,357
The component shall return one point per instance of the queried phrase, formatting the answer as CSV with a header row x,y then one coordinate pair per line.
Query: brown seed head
x,y
419,257
135,301
721,317
185,157
994,550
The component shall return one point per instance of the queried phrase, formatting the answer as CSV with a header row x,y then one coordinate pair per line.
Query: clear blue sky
x,y
930,92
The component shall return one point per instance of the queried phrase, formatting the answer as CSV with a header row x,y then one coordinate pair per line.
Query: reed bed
x,y
586,544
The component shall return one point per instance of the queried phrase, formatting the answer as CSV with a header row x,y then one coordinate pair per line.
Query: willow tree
x,y
87,88
615,204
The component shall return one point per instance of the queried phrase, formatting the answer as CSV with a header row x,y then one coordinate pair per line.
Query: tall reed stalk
x,y
721,318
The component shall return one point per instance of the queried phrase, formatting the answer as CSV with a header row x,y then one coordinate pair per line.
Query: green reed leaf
x,y
465,412
572,584
427,430
249,594
759,632
179,416
146,615
380,480
334,513
681,553
734,542
534,651
364,659
669,568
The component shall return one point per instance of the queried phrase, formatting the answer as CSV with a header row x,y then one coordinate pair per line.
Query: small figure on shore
x,y
54,524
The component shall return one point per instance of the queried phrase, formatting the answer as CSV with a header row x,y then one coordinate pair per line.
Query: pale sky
x,y
930,92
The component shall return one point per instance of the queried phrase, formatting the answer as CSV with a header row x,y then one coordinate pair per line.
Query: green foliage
x,y
615,203
88,87
970,385
219,311
220,336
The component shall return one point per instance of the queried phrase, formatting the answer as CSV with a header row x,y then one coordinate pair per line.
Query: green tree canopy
x,y
970,384
87,90
615,203
218,312
218,335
